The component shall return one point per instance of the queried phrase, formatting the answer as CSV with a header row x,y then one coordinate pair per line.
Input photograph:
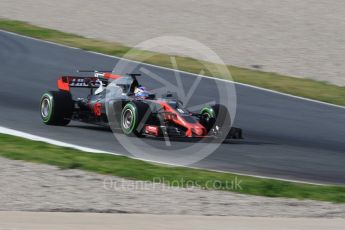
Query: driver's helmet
x,y
141,92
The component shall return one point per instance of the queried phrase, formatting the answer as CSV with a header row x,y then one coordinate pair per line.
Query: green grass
x,y
312,89
66,158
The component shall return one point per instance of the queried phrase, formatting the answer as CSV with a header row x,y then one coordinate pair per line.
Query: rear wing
x,y
66,82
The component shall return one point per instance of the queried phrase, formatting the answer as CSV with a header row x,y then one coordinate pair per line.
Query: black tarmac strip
x,y
285,137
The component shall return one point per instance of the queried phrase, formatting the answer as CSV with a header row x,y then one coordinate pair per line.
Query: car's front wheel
x,y
216,119
133,118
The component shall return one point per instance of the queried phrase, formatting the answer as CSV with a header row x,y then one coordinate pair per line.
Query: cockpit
x,y
127,84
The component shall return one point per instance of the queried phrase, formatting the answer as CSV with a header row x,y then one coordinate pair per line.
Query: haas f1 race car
x,y
134,111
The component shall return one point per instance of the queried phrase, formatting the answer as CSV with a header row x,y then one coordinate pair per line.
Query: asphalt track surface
x,y
285,137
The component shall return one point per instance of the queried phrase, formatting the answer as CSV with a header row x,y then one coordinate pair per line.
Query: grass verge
x,y
307,88
66,158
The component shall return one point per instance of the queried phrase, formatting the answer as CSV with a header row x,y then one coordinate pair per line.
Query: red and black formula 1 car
x,y
120,107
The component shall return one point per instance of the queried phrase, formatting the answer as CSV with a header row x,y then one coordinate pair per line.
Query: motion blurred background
x,y
297,38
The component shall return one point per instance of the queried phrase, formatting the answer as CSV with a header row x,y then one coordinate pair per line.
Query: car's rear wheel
x,y
133,118
216,118
56,108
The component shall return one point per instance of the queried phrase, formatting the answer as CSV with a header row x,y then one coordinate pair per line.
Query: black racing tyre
x,y
133,118
216,117
56,108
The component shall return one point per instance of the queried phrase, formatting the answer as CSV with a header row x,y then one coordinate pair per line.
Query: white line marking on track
x,y
48,140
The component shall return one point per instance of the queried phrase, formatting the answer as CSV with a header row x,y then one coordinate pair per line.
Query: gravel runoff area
x,y
36,187
299,38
